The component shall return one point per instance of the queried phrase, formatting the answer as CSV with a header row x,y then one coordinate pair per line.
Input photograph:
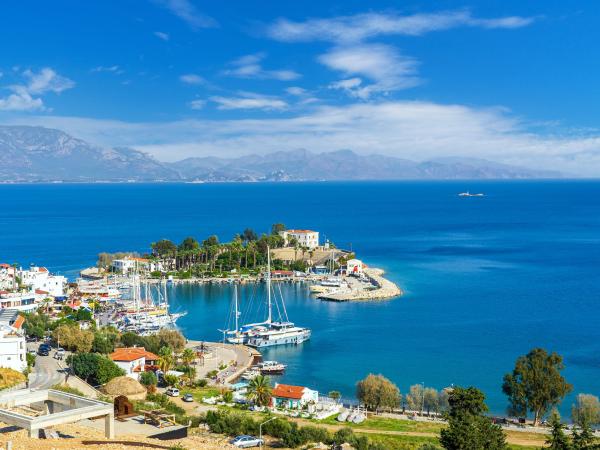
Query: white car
x,y
173,392
245,441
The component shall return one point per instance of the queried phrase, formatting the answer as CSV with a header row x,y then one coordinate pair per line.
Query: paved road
x,y
46,372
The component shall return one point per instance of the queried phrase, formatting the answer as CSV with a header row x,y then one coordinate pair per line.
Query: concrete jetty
x,y
380,289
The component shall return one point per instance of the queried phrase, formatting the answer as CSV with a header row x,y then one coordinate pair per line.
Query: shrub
x,y
148,379
202,383
94,368
68,389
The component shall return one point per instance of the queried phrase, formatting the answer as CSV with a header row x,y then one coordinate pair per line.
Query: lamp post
x,y
260,431
423,399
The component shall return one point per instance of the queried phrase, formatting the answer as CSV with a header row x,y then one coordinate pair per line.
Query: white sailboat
x,y
268,333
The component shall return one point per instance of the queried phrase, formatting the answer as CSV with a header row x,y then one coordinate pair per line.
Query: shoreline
x,y
385,289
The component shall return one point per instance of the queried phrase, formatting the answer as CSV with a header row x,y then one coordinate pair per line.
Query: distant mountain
x,y
36,154
345,165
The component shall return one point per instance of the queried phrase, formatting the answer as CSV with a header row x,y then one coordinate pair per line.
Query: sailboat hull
x,y
294,338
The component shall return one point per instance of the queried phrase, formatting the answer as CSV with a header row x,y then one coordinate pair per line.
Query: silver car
x,y
245,441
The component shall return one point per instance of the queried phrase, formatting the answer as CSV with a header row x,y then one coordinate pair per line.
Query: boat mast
x,y
237,328
269,317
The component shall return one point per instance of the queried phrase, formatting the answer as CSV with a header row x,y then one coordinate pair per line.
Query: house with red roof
x,y
134,360
292,397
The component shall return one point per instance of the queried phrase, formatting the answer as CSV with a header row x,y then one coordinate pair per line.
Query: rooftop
x,y
288,391
132,354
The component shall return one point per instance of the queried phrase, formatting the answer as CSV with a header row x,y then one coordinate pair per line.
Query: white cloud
x,y
23,95
356,28
47,80
381,63
249,66
197,104
192,78
110,69
21,101
162,35
414,130
295,90
249,100
186,11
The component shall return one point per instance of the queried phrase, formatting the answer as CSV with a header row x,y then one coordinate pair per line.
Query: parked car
x,y
172,392
188,398
60,353
44,350
245,441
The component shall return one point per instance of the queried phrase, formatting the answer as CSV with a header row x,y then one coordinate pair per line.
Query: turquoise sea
x,y
485,279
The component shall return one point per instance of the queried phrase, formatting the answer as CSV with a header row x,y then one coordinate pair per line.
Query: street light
x,y
260,431
423,400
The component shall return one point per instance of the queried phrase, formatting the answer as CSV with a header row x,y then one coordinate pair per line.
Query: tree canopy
x,y
535,384
377,392
468,427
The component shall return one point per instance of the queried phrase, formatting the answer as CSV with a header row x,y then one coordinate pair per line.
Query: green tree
x,y
171,338
171,380
276,228
535,384
586,410
148,378
94,368
164,248
249,235
414,398
189,244
468,427
259,390
335,395
557,440
377,392
431,400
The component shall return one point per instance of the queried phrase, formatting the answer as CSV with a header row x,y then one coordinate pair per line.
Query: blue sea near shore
x,y
485,279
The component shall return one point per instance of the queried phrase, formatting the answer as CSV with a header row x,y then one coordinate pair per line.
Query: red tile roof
x,y
287,391
300,231
43,269
40,292
19,322
5,265
132,354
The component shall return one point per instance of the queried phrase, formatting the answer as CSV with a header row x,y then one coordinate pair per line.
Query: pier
x,y
355,291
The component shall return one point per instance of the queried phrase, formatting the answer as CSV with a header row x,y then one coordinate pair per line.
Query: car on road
x,y
44,350
245,441
60,353
188,398
172,392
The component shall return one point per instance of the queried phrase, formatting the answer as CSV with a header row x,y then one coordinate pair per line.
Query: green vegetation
x,y
291,435
259,390
377,392
94,368
68,389
536,384
468,427
148,379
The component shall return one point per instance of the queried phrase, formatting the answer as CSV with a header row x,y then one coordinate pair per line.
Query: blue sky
x,y
513,81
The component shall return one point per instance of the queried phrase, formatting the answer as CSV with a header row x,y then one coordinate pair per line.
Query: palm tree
x,y
165,363
188,356
259,390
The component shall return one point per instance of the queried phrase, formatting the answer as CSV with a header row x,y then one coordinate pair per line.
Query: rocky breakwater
x,y
380,289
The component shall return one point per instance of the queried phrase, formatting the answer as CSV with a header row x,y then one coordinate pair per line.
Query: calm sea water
x,y
486,279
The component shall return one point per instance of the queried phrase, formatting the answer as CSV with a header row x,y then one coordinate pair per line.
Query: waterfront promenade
x,y
237,358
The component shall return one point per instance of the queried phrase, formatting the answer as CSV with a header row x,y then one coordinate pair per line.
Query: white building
x,y
39,280
354,267
305,238
130,264
12,346
7,277
133,360
292,397
22,302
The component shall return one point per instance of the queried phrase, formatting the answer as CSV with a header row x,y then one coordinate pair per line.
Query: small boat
x,y
250,374
468,194
271,368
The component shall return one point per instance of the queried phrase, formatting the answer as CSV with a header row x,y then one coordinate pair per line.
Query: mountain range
x,y
37,154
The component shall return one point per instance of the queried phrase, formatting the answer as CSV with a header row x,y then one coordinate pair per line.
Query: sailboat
x,y
268,333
